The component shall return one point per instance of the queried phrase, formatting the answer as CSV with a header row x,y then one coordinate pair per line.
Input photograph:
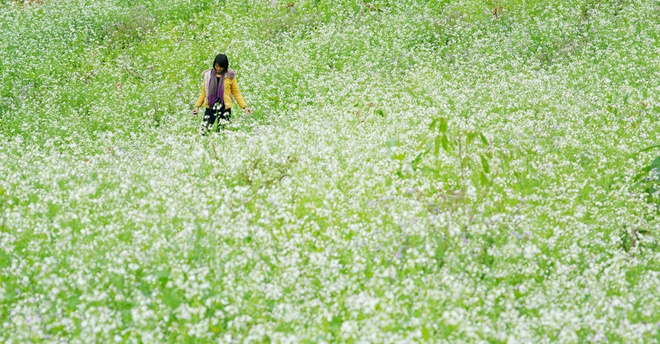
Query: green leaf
x,y
470,137
433,124
655,163
422,144
445,143
484,162
649,148
380,113
465,161
438,143
416,161
443,125
483,139
2,191
644,171
418,158
484,179
426,334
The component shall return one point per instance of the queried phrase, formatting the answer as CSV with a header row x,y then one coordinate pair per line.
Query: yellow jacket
x,y
231,88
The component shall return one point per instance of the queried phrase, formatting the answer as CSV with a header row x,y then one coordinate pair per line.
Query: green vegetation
x,y
414,171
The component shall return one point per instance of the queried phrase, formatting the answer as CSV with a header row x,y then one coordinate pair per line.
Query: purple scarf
x,y
215,92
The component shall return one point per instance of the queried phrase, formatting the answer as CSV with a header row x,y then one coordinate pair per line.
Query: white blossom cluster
x,y
333,214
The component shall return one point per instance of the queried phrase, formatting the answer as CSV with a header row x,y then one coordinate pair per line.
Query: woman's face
x,y
218,69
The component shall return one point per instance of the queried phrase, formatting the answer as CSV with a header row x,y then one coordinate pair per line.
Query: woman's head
x,y
221,63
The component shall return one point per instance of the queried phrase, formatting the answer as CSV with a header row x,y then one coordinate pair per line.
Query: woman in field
x,y
219,85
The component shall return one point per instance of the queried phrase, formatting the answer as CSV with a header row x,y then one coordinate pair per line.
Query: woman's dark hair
x,y
222,61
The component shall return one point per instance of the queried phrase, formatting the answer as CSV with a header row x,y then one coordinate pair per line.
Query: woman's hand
x,y
196,110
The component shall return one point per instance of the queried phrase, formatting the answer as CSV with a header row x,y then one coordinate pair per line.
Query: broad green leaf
x,y
655,163
380,113
484,162
443,125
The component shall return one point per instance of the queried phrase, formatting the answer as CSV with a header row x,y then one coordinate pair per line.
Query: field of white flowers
x,y
415,171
